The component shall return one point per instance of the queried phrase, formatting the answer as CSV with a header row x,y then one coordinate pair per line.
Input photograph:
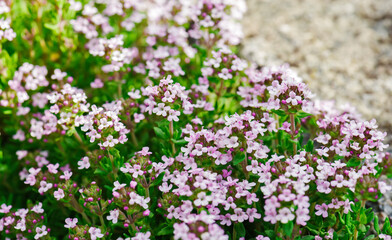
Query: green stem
x,y
171,129
292,121
102,221
77,136
363,202
134,139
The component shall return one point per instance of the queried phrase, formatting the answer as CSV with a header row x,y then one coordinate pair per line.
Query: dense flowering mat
x,y
124,119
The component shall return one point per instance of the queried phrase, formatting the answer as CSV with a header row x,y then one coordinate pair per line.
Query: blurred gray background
x,y
341,48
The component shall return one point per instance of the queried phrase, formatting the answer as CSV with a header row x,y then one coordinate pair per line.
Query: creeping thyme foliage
x,y
125,119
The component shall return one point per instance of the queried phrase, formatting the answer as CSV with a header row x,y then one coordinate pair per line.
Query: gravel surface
x,y
341,48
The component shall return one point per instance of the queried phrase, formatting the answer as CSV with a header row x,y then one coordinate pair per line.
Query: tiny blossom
x,y
4,208
95,233
59,194
142,236
285,215
66,176
70,222
84,163
322,210
113,216
41,231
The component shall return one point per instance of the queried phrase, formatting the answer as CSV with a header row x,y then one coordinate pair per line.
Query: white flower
x,y
70,222
41,231
113,216
95,233
59,194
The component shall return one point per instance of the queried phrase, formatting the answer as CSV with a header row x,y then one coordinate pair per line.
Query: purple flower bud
x,y
146,213
200,229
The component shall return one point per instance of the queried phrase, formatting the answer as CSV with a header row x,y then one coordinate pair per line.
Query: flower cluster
x,y
164,132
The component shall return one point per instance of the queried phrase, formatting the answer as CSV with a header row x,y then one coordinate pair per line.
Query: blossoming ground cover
x,y
124,119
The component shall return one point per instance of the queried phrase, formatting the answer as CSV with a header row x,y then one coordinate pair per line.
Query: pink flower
x,y
66,175
285,215
202,199
286,195
225,74
161,109
97,83
239,215
302,216
293,99
113,216
53,168
70,222
270,216
84,163
142,236
95,233
252,214
41,231
385,237
338,182
58,75
38,208
346,205
323,187
173,115
322,210
261,237
59,194
4,208
44,187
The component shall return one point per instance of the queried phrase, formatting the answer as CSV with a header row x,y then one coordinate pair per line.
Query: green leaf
x,y
307,237
166,231
387,225
238,158
158,180
280,112
376,226
369,237
240,229
353,162
115,153
160,133
341,218
362,218
288,228
179,142
303,114
270,233
362,228
99,172
53,27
